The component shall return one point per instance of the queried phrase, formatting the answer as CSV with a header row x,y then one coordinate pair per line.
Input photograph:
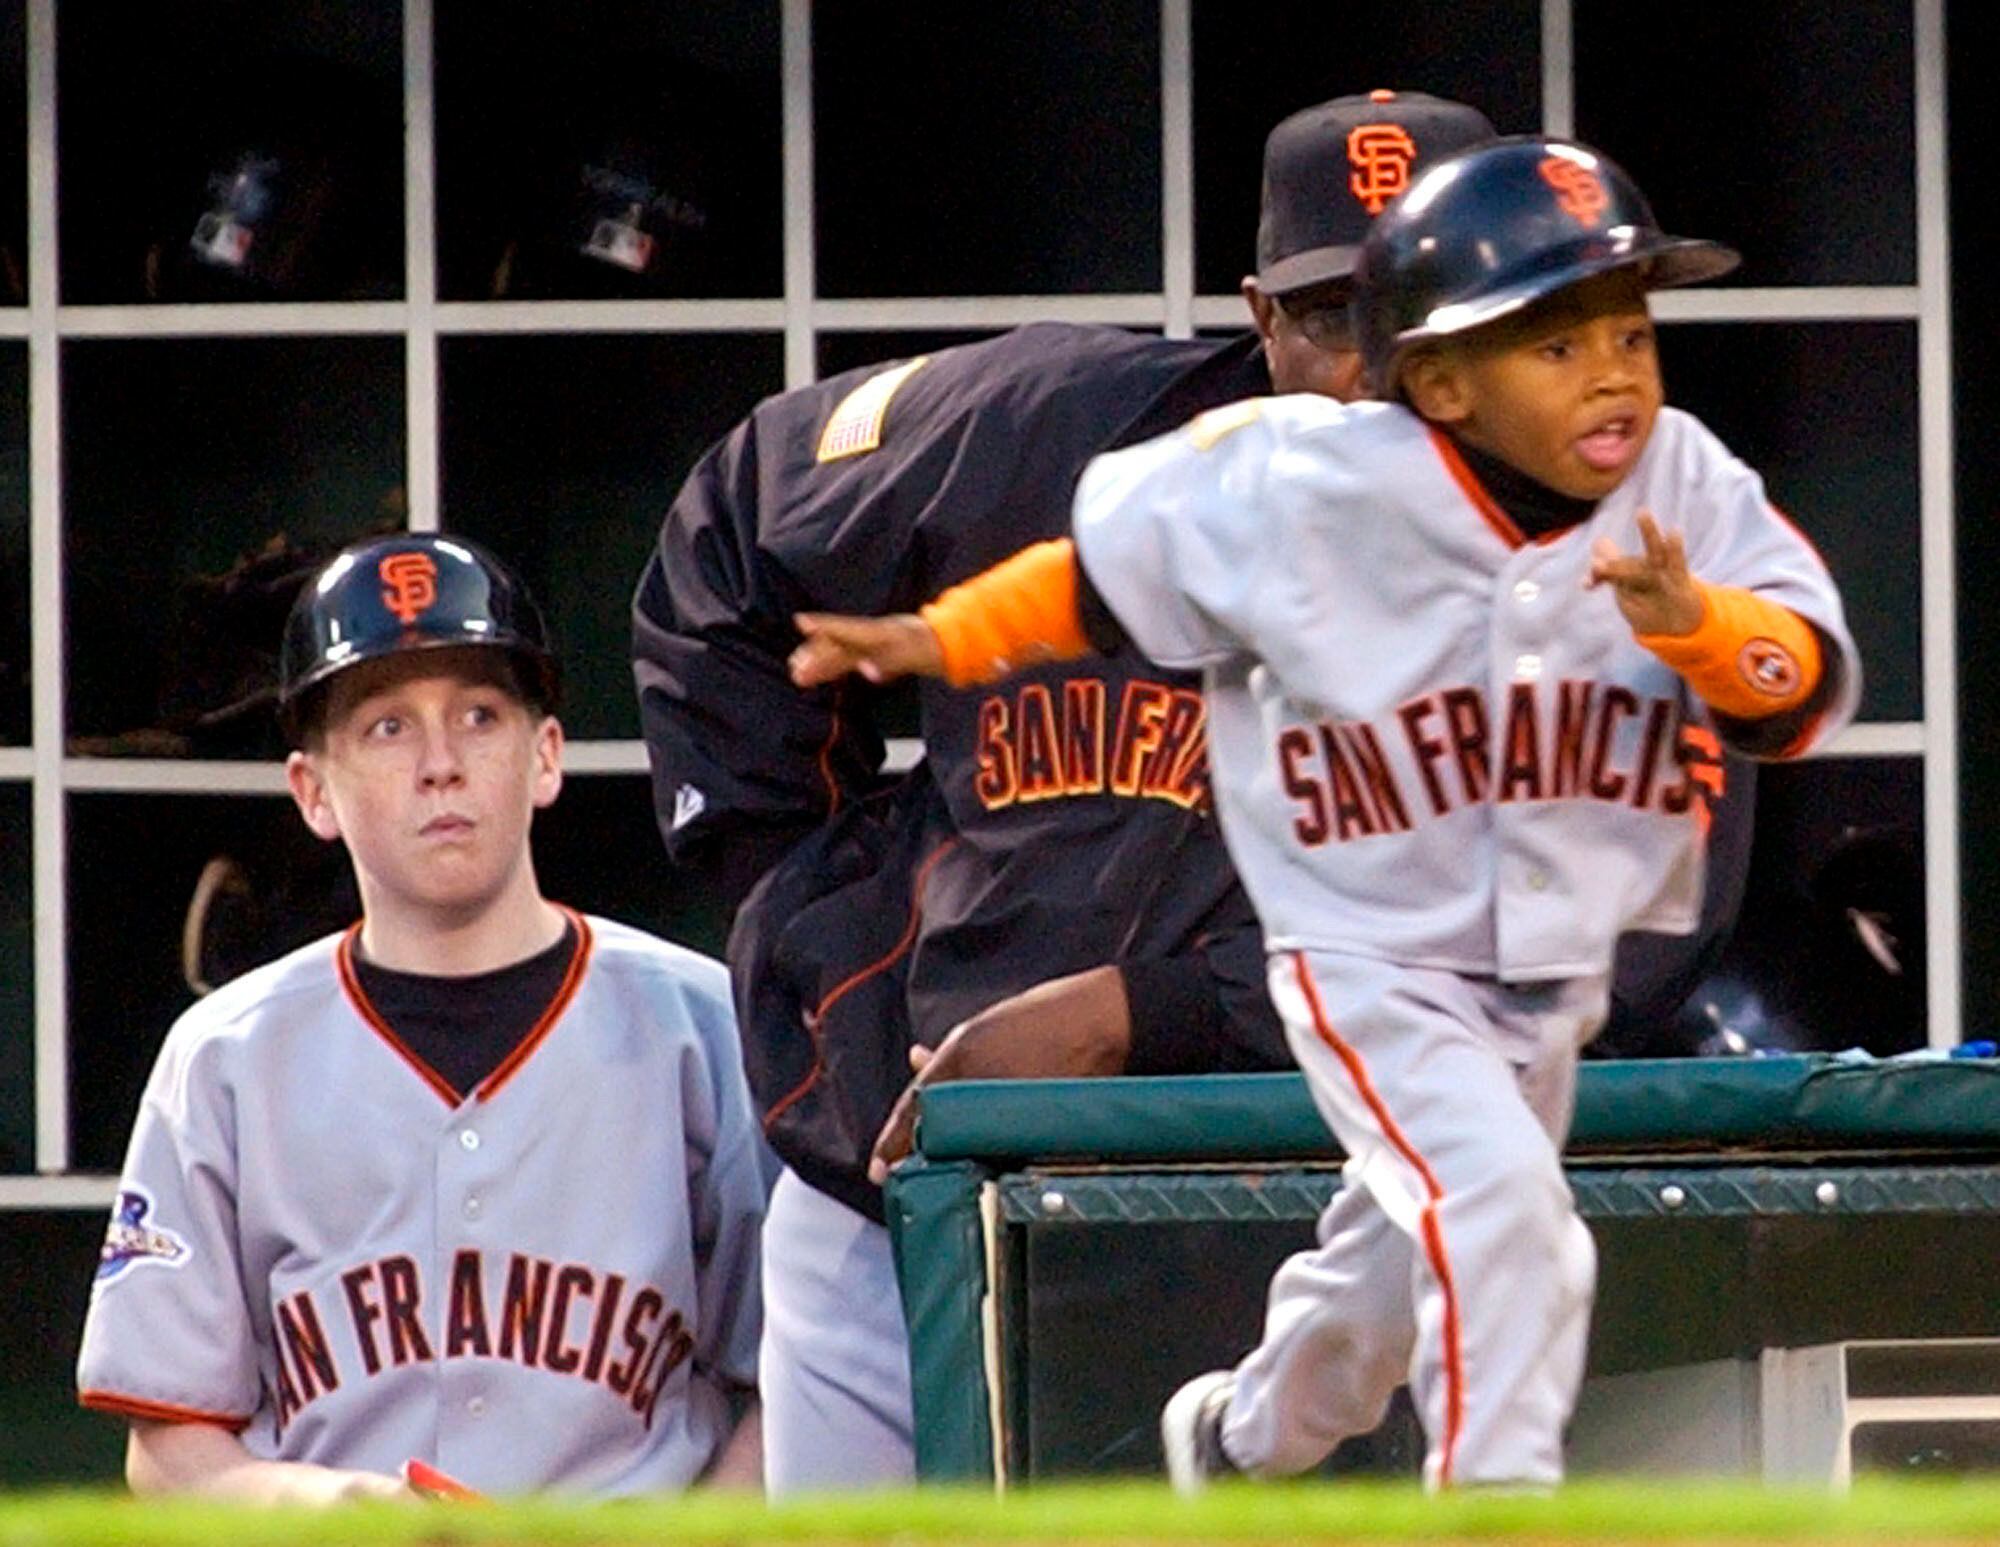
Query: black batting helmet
x,y
412,591
1498,227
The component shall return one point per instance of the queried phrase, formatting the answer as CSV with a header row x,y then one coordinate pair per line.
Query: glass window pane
x,y
562,454
630,148
1829,948
218,151
17,978
1827,412
987,150
1765,126
47,1439
613,814
136,867
1253,68
15,638
203,479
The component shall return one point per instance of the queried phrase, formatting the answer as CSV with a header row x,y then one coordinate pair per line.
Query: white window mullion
x,y
795,73
1177,212
46,600
1940,580
420,342
1558,69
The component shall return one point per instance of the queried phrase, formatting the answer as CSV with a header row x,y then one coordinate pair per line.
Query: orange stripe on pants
x,y
1433,1237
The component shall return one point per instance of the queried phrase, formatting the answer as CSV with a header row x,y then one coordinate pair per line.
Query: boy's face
x,y
1566,391
430,768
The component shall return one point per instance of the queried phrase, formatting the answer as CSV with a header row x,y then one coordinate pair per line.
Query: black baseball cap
x,y
1330,169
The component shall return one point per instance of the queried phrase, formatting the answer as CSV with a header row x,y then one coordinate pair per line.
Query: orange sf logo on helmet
x,y
1579,191
1380,155
409,583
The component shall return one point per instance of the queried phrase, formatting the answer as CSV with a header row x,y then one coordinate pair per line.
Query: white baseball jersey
x,y
550,1283
1430,743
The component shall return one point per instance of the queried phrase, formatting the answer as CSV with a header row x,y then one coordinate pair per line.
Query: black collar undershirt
x,y
1532,505
464,1027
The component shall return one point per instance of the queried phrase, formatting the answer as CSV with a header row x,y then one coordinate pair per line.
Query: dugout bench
x,y
1799,1263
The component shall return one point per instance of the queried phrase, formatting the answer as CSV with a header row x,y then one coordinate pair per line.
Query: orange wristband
x,y
1020,611
1749,658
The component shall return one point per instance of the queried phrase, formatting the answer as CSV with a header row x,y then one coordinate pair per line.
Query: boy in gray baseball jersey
x,y
473,1185
1470,656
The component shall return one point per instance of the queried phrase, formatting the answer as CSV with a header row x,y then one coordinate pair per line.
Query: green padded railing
x,y
1810,1102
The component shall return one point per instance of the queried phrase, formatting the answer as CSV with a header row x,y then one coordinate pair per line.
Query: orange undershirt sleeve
x,y
1749,658
1021,611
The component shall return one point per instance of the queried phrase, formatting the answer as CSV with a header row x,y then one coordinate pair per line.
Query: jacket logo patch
x,y
689,803
856,424
409,585
130,1241
1380,155
1769,668
1579,191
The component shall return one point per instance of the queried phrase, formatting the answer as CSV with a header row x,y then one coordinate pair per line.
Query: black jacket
x,y
1060,821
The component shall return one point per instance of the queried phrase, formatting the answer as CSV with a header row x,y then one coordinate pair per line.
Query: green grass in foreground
x,y
1906,1511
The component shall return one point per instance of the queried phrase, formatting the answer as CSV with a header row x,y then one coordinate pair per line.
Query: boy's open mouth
x,y
1608,445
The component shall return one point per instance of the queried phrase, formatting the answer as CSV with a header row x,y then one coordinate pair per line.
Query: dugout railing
x,y
1070,1250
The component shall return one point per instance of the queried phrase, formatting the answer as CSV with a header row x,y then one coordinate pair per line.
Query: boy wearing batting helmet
x,y
472,1188
1471,656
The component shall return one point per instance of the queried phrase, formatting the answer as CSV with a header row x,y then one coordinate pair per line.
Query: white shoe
x,y
1191,1432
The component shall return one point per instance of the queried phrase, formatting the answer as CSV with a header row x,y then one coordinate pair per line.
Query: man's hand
x,y
1654,589
1067,1028
880,649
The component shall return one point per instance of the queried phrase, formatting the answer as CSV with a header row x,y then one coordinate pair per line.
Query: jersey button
x,y
476,1406
1538,880
1527,667
1525,591
468,1139
472,1207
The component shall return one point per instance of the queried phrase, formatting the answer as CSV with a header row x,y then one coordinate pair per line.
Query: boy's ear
x,y
548,761
308,789
1436,386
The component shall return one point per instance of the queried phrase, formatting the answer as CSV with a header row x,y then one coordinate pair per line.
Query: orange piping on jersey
x,y
1021,611
826,752
343,960
1454,1358
343,957
1749,657
156,1412
579,958
816,1017
1470,486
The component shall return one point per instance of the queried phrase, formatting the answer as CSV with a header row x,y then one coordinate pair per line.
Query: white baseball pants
x,y
1453,1258
834,1365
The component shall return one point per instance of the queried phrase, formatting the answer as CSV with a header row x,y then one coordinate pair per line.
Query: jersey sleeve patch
x,y
1769,668
131,1241
856,423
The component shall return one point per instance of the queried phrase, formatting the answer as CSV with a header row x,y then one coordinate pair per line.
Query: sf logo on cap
x,y
1579,191
409,584
1380,155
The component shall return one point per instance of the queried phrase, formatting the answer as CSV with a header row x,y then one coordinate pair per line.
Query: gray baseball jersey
x,y
550,1283
1430,743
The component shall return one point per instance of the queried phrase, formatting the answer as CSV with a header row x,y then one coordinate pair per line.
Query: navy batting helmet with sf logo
x,y
1494,229
413,591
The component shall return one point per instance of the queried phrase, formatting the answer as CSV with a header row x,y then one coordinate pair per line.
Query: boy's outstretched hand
x,y
1654,589
880,649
